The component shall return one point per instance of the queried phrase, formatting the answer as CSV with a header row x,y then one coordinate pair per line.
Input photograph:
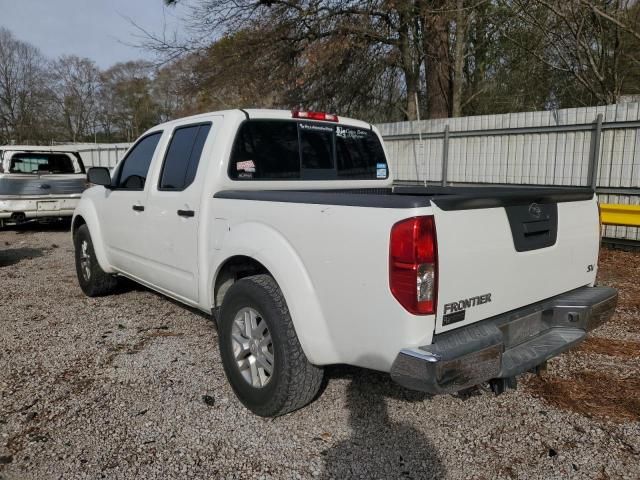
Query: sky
x,y
97,29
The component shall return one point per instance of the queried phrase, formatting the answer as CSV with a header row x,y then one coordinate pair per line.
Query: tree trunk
x,y
437,66
458,60
412,89
408,65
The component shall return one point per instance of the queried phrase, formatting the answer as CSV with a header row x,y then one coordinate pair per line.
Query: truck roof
x,y
38,148
258,113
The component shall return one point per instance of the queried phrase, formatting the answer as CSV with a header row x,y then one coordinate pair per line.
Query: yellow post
x,y
613,214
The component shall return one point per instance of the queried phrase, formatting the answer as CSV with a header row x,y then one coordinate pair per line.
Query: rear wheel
x,y
260,350
93,281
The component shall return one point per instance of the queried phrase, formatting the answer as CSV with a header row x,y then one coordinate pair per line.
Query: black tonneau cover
x,y
446,198
467,198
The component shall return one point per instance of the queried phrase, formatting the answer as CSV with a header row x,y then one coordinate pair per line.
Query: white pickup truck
x,y
285,226
39,182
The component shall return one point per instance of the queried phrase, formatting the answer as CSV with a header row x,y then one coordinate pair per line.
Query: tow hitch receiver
x,y
501,385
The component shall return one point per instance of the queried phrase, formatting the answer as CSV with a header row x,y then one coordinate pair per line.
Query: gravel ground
x,y
131,386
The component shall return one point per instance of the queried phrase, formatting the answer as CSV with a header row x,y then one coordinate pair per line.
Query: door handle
x,y
186,213
138,208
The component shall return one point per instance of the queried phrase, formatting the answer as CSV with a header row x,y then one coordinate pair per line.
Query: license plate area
x,y
48,206
521,329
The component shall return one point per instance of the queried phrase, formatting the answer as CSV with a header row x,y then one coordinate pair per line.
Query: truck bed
x,y
502,243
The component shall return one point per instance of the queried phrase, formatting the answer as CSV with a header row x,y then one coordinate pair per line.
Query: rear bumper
x,y
505,345
43,206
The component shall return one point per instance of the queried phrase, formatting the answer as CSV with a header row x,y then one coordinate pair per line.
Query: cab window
x,y
135,167
183,156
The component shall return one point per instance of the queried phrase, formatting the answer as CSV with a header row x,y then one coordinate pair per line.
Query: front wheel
x,y
261,354
93,281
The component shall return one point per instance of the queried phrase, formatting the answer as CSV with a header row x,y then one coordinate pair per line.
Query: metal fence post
x,y
415,154
445,155
594,152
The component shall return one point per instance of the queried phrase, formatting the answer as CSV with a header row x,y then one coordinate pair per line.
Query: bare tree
x,y
128,106
22,89
394,30
74,88
421,44
626,15
586,40
172,89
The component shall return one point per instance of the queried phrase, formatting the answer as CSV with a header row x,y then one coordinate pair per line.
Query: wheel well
x,y
77,223
232,270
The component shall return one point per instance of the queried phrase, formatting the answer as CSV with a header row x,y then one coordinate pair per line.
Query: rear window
x,y
291,150
42,163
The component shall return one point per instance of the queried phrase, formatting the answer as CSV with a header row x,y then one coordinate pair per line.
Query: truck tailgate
x,y
39,185
498,255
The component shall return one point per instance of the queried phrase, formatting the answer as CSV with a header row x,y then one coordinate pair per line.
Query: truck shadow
x,y
129,285
379,446
35,226
12,256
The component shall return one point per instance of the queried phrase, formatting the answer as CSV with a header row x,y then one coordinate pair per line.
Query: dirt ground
x,y
600,378
131,386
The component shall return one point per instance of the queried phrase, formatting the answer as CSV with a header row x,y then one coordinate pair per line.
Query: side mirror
x,y
99,176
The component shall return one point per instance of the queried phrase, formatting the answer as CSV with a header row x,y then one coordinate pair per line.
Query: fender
x,y
86,209
283,262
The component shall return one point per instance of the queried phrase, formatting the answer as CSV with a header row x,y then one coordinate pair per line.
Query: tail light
x,y
413,265
326,117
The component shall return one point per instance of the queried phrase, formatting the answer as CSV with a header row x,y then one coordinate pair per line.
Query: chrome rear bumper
x,y
505,345
43,206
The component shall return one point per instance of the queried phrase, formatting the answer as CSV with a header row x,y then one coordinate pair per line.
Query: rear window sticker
x,y
246,166
315,127
353,133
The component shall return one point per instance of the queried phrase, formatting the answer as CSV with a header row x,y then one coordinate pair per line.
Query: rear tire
x,y
261,354
93,281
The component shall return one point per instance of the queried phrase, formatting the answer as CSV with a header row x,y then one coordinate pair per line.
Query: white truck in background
x,y
39,182
287,228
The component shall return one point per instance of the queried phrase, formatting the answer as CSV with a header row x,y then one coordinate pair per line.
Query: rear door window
x,y
183,156
292,150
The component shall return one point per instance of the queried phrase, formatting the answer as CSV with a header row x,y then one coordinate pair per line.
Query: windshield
x,y
42,163
293,150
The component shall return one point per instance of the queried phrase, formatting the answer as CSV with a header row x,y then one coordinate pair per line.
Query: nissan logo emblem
x,y
535,211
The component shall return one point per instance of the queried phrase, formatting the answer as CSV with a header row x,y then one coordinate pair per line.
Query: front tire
x,y
261,354
93,281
